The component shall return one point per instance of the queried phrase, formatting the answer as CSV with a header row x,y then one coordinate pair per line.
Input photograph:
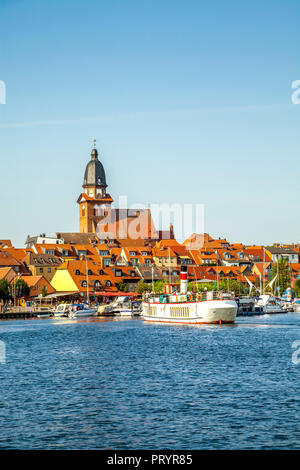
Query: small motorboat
x,y
269,304
123,307
62,310
296,305
81,310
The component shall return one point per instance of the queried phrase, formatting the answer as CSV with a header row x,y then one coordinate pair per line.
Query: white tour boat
x,y
185,308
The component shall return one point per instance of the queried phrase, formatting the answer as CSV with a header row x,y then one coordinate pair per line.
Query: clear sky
x,y
190,102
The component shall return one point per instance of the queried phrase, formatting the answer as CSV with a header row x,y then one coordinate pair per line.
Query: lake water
x,y
127,384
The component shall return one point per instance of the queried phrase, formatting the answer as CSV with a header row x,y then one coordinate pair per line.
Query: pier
x,y
22,313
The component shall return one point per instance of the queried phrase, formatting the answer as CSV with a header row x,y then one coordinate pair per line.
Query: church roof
x,y
94,173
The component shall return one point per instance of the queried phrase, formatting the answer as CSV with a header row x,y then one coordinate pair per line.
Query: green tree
x,y
4,289
284,275
142,287
224,285
44,291
19,288
159,286
122,286
297,287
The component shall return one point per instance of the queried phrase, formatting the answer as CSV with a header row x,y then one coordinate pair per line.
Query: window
x,y
49,270
132,273
101,272
108,284
148,262
134,261
103,253
82,252
65,252
49,252
106,261
144,253
89,272
118,273
77,272
132,253
97,284
41,270
84,284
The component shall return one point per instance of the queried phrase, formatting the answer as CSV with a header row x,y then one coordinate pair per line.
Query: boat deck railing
x,y
188,297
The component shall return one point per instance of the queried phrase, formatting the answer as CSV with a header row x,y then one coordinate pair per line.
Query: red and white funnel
x,y
183,280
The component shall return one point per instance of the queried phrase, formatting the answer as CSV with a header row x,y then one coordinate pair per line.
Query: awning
x,y
60,294
116,294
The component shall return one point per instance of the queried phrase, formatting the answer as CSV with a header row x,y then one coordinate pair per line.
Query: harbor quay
x,y
109,259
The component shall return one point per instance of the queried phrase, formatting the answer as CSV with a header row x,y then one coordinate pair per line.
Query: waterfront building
x,y
42,264
7,260
280,252
42,239
91,276
36,285
81,276
7,273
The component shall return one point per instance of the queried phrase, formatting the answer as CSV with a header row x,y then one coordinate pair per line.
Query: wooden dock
x,y
23,314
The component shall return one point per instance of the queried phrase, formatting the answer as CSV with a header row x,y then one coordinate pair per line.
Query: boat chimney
x,y
183,280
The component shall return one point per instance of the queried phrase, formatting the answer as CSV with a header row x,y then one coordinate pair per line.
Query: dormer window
x,y
132,253
77,272
84,284
103,252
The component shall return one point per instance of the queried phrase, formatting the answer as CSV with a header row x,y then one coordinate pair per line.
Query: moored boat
x,y
269,304
81,310
296,305
62,310
189,308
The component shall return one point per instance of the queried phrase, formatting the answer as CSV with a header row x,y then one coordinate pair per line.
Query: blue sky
x,y
190,102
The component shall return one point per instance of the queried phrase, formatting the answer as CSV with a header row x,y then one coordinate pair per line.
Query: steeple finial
x,y
94,141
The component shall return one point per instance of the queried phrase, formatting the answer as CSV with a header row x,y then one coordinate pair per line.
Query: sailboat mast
x,y
87,281
169,267
264,270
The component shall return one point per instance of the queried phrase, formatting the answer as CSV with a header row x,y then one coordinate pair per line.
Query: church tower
x,y
94,202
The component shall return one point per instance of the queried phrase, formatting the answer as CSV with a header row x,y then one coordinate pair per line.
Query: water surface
x,y
99,384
